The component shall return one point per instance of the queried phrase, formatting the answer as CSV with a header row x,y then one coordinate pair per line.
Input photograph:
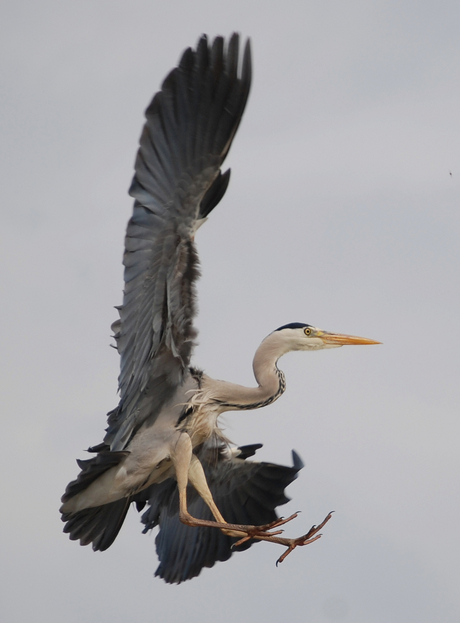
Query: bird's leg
x,y
183,458
198,479
188,468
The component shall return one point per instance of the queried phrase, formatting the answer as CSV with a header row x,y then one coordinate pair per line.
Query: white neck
x,y
269,378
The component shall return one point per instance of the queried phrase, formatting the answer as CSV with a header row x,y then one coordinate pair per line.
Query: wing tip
x,y
297,462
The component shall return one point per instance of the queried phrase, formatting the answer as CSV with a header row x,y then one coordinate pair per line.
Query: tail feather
x,y
91,469
99,525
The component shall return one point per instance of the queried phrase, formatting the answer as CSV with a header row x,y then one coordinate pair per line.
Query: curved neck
x,y
271,382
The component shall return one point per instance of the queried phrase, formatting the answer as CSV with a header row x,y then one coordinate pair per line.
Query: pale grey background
x,y
341,212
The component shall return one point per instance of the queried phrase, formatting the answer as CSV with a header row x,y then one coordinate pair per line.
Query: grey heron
x,y
163,447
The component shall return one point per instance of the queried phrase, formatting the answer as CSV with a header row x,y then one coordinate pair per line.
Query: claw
x,y
295,543
306,539
261,533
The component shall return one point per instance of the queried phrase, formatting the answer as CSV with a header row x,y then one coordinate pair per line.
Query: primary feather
x,y
190,126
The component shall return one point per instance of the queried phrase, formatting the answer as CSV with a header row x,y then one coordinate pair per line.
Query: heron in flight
x,y
163,447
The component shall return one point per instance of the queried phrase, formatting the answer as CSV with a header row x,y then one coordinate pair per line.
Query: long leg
x,y
188,467
197,478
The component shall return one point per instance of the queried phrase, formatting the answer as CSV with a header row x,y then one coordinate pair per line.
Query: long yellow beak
x,y
342,340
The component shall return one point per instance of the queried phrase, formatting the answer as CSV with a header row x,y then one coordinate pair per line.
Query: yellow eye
x,y
307,331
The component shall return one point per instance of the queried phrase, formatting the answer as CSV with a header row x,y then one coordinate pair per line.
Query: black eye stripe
x,y
293,325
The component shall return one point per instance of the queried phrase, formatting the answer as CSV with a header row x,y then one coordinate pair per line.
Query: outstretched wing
x,y
245,492
190,126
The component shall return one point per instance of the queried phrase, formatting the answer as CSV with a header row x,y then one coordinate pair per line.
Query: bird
x,y
164,450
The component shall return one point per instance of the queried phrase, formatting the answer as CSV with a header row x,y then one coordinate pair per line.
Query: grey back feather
x,y
189,129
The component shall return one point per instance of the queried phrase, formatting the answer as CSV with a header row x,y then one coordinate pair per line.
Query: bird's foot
x,y
243,532
261,532
311,536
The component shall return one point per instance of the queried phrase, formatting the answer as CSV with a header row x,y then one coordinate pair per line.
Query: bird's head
x,y
300,336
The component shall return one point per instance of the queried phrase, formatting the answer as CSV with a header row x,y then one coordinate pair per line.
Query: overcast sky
x,y
341,212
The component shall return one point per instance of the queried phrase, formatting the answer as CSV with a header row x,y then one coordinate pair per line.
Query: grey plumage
x,y
246,492
163,447
190,125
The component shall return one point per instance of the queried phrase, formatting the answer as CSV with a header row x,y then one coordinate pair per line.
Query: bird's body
x,y
163,446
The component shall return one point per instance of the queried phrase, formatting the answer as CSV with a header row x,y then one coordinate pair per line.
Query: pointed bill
x,y
339,339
